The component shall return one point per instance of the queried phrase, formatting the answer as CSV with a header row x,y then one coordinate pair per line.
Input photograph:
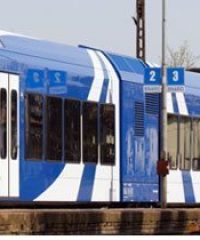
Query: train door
x,y
9,135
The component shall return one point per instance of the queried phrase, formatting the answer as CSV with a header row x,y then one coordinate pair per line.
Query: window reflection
x,y
196,144
54,128
90,140
34,126
185,143
72,131
3,123
172,140
14,124
107,133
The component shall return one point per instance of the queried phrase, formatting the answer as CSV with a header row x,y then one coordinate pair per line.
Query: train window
x,y
185,143
90,129
14,124
196,144
34,126
3,126
72,131
172,140
53,128
107,134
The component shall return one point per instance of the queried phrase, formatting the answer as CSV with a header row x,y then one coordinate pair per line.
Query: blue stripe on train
x,y
87,183
175,105
104,91
188,187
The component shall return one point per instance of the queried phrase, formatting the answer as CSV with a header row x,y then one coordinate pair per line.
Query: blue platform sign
x,y
176,79
175,76
56,78
152,76
35,78
152,80
57,81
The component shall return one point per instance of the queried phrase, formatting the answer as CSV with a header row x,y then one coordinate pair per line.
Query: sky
x,y
104,24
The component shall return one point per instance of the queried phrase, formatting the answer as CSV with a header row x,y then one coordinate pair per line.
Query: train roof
x,y
24,45
129,68
27,46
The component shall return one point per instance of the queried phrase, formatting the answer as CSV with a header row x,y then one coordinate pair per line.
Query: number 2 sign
x,y
152,76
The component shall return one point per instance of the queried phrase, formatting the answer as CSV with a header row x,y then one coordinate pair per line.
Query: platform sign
x,y
57,82
152,80
56,78
176,79
35,78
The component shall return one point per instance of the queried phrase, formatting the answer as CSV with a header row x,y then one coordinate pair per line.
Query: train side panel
x,y
183,143
96,82
139,123
140,145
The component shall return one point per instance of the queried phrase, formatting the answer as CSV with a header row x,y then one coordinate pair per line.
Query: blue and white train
x,y
76,126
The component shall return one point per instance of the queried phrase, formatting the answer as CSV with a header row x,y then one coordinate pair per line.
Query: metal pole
x,y
163,179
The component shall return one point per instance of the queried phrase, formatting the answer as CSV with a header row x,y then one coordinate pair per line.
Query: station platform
x,y
100,221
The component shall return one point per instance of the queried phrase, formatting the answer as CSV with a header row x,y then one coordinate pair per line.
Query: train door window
x,y
72,131
53,128
107,134
14,124
34,125
3,126
185,143
90,130
196,144
172,140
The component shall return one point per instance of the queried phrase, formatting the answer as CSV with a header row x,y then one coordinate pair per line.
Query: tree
x,y
182,57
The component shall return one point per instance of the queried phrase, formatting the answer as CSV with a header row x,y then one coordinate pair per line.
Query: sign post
x,y
157,82
163,153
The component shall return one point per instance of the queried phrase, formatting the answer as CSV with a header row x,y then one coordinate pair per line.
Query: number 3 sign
x,y
175,76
